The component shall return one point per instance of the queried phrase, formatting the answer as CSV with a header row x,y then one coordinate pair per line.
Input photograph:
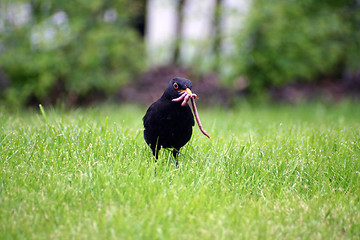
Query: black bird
x,y
168,123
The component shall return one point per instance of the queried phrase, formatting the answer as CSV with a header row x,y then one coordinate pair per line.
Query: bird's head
x,y
179,90
177,87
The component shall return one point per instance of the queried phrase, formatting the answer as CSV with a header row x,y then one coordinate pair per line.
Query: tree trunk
x,y
178,37
217,34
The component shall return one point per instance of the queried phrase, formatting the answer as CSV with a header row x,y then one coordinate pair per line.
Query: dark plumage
x,y
167,123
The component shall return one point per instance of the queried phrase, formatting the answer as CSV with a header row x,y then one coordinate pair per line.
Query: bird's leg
x,y
175,154
155,151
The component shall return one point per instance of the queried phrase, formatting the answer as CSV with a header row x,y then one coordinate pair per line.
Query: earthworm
x,y
198,118
185,97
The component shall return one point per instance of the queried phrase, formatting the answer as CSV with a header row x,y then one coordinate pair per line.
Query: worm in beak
x,y
185,96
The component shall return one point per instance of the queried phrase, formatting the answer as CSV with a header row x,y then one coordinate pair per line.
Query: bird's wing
x,y
146,116
150,112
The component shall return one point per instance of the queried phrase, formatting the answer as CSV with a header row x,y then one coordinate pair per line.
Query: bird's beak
x,y
187,90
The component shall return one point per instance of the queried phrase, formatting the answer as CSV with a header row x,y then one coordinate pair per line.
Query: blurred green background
x,y
80,52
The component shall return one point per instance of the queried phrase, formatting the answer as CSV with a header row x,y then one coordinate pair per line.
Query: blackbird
x,y
168,122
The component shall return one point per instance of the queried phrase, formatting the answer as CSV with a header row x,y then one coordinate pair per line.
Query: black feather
x,y
168,124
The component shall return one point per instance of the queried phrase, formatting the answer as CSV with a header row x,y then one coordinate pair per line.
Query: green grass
x,y
268,172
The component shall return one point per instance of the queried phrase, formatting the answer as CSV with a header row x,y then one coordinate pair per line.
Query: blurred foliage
x,y
71,48
68,50
287,41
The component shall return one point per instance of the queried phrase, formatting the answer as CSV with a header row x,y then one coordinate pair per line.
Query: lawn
x,y
268,172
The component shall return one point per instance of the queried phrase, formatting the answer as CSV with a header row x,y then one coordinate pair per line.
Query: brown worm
x,y
198,118
179,98
185,97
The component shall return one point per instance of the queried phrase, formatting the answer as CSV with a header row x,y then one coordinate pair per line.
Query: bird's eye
x,y
175,85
